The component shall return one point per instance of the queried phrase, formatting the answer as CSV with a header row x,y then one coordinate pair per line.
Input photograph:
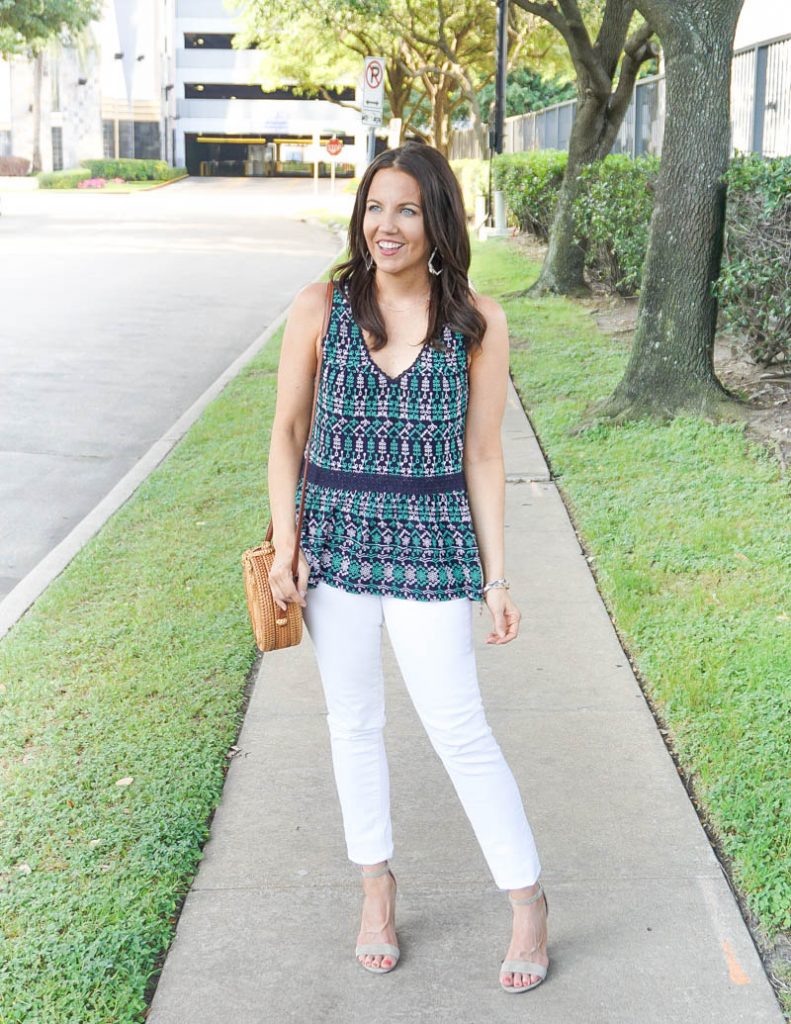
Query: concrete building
x,y
160,79
226,123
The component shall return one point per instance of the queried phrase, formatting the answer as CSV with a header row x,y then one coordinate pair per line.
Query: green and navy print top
x,y
386,509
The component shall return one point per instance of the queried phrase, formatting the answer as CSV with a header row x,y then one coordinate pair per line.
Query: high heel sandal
x,y
376,948
524,966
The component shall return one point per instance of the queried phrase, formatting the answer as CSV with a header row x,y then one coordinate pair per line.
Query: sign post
x,y
316,157
373,98
334,149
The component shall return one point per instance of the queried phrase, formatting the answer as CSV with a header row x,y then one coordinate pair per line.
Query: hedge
x,y
612,216
473,176
133,170
62,179
531,182
755,284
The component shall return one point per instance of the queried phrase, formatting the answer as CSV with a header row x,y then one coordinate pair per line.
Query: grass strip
x,y
687,525
131,666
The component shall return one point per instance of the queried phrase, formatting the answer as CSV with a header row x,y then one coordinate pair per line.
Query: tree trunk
x,y
562,272
671,364
38,75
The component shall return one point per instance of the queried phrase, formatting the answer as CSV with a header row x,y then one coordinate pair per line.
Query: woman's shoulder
x,y
490,309
309,300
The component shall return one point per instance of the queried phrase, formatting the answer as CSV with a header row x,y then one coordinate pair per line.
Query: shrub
x,y
173,172
14,166
473,176
754,286
132,170
612,216
531,182
62,179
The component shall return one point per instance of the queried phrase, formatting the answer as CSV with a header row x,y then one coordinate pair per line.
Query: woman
x,y
404,525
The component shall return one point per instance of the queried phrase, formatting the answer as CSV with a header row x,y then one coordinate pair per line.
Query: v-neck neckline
x,y
379,369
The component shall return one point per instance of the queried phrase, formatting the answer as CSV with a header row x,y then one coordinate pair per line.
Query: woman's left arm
x,y
484,469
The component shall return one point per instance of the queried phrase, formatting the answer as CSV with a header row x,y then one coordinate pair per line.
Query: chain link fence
x,y
760,112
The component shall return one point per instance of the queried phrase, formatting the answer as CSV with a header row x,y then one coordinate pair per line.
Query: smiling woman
x,y
404,525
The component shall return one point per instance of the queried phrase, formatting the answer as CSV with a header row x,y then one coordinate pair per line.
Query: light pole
x,y
497,114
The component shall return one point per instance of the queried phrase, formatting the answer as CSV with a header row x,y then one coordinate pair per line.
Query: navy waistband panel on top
x,y
381,482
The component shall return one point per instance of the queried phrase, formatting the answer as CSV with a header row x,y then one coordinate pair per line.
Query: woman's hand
x,y
505,616
284,589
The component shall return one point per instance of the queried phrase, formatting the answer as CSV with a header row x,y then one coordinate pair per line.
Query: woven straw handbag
x,y
273,628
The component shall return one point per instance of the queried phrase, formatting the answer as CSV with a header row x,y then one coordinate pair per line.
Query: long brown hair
x,y
445,224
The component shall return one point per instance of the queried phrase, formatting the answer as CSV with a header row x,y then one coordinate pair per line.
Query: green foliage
x,y
473,176
24,23
314,43
133,170
612,215
62,179
528,90
531,182
754,287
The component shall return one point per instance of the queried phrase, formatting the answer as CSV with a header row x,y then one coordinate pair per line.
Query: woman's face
x,y
393,225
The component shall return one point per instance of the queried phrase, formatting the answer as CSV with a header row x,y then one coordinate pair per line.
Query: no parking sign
x,y
373,90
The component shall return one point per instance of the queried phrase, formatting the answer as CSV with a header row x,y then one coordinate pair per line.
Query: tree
x,y
25,24
602,102
671,364
28,28
318,45
528,90
437,54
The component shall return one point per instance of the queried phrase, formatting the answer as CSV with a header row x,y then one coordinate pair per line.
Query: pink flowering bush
x,y
92,183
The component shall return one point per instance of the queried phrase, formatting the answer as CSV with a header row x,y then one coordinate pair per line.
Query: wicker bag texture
x,y
273,628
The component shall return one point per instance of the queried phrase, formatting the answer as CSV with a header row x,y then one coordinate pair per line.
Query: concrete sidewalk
x,y
643,928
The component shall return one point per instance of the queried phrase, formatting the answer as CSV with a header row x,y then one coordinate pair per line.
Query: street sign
x,y
334,146
373,90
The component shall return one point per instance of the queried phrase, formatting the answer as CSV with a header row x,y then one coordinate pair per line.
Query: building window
x,y
147,144
108,140
126,139
57,149
208,41
219,91
5,143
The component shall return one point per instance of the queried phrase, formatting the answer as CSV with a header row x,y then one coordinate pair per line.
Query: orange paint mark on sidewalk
x,y
735,972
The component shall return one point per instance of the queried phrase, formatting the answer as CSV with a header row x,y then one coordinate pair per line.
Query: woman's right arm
x,y
295,383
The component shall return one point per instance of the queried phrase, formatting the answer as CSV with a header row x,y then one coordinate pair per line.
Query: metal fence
x,y
760,112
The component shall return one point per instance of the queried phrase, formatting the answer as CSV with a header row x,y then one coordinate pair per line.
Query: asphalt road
x,y
116,313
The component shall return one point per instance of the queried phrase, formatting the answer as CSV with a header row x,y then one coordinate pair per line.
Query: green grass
x,y
687,524
133,663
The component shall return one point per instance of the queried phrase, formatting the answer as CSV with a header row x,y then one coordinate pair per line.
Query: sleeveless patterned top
x,y
386,510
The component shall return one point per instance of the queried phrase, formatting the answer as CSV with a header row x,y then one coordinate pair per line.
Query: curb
x,y
31,586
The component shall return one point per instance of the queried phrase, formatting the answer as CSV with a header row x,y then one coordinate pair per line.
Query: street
x,y
116,313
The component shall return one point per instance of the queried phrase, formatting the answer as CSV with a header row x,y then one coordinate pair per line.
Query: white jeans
x,y
433,644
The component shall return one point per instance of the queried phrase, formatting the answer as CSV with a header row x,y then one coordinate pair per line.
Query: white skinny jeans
x,y
433,644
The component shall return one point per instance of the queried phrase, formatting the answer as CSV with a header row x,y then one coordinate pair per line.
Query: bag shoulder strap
x,y
325,327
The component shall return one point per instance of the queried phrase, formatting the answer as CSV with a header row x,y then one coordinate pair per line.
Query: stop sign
x,y
334,147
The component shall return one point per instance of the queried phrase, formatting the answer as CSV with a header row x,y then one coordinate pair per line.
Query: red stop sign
x,y
334,147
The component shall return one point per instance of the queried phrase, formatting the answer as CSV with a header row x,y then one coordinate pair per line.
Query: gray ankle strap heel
x,y
378,948
524,966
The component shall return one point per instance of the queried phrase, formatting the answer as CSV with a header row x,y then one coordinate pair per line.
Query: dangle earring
x,y
431,268
368,260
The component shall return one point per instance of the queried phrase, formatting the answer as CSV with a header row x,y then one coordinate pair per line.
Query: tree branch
x,y
547,11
